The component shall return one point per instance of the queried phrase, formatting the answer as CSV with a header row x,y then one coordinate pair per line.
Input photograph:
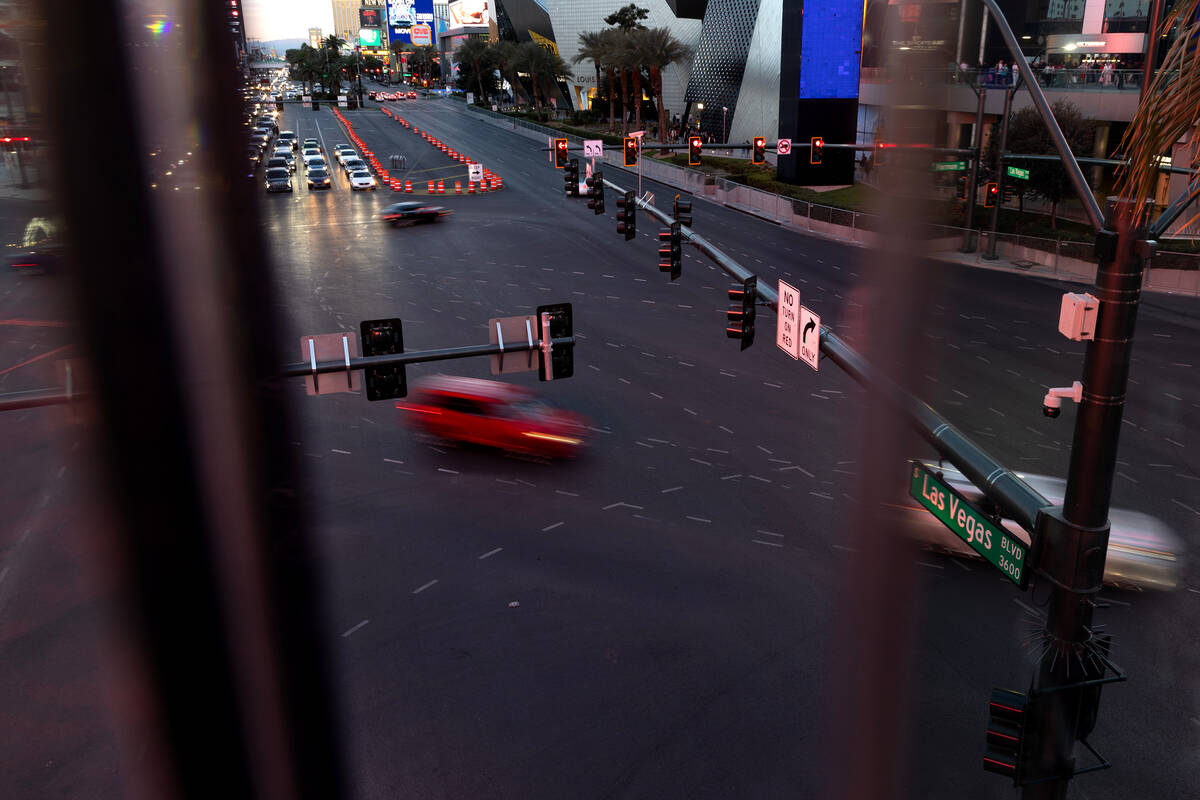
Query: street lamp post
x,y
724,129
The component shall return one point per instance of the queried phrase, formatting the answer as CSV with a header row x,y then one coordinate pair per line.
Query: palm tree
x,y
629,57
592,46
658,48
1166,113
611,40
332,46
507,56
477,52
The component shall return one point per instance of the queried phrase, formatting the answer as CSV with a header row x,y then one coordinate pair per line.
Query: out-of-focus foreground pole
x,y
870,651
225,684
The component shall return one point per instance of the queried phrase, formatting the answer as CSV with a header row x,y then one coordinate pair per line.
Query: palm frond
x,y
1169,110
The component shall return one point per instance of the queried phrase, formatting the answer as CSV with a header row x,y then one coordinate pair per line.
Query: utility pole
x,y
990,255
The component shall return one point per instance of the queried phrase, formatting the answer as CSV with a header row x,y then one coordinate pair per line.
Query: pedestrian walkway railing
x,y
1066,79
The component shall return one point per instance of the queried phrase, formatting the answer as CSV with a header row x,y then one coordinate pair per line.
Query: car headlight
x,y
550,437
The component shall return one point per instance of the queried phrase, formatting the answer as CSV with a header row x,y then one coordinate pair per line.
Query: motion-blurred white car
x,y
362,180
1143,552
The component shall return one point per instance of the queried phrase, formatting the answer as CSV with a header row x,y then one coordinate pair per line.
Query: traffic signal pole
x,y
998,166
1073,539
972,187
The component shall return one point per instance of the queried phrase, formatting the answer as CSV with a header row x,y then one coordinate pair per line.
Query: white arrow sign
x,y
475,172
810,337
593,148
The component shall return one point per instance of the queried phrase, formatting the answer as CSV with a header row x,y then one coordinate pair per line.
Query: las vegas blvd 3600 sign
x,y
1004,551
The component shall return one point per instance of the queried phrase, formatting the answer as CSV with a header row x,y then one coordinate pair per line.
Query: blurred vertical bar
x,y
871,652
173,298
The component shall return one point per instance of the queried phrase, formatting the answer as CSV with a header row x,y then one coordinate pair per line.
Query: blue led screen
x,y
403,14
830,49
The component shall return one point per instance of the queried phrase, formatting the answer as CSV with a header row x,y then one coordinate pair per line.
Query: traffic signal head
x,y
963,193
1007,192
740,316
759,150
627,215
560,153
670,250
631,151
556,360
683,211
595,184
1009,749
816,150
381,337
571,178
693,150
990,195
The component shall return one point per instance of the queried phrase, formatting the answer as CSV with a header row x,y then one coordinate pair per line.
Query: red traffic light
x,y
560,153
694,144
759,150
990,194
631,151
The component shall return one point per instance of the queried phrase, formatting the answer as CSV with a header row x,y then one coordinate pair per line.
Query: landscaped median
x,y
490,182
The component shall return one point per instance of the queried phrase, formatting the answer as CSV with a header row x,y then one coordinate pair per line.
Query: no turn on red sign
x,y
783,147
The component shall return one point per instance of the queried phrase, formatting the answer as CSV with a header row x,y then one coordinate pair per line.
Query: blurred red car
x,y
492,414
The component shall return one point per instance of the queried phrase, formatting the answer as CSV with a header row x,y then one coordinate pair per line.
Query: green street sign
x,y
1017,172
1000,548
949,166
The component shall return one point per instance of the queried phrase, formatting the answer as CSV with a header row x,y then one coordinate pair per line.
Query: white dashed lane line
x,y
490,553
355,629
420,589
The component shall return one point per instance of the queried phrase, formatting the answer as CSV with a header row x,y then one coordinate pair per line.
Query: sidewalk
x,y
10,184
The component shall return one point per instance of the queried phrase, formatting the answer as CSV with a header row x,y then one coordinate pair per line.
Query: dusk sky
x,y
286,19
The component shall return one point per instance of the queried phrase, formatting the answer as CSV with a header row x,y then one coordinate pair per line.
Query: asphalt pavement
x,y
652,620
655,618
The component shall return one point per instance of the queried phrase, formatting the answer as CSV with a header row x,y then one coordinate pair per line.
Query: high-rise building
x,y
314,37
346,21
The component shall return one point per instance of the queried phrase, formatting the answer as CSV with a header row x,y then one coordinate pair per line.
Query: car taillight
x,y
419,409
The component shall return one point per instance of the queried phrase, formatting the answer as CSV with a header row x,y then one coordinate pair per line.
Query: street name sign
x,y
787,321
997,546
1017,172
810,337
593,148
949,166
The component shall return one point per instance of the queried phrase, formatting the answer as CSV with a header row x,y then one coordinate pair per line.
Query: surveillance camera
x,y
1052,406
1052,402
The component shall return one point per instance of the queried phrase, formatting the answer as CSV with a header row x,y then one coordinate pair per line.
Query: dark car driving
x,y
412,211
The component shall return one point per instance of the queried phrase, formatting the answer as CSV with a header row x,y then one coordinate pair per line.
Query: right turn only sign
x,y
810,337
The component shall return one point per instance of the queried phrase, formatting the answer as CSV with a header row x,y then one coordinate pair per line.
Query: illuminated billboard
x,y
370,18
406,13
465,13
370,37
829,52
